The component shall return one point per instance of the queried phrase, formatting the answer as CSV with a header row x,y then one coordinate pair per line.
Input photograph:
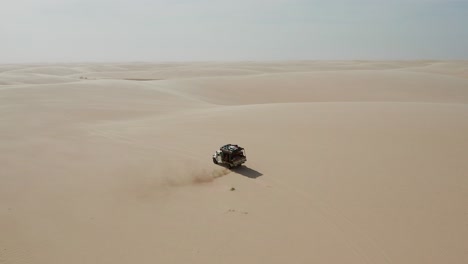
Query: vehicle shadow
x,y
247,172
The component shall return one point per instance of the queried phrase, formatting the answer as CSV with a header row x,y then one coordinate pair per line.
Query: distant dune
x,y
348,162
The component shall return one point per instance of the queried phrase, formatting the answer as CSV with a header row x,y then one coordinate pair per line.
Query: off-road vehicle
x,y
230,155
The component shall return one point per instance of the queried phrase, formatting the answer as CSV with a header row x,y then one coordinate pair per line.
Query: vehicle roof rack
x,y
230,148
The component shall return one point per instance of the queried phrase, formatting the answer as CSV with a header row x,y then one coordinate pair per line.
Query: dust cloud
x,y
147,180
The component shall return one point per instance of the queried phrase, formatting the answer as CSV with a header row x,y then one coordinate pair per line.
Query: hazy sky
x,y
187,30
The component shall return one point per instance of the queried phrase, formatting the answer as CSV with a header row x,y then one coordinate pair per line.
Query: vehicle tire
x,y
215,161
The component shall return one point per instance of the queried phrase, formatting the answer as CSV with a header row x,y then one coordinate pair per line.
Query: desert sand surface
x,y
348,162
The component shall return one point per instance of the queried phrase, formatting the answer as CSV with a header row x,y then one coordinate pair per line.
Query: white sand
x,y
348,162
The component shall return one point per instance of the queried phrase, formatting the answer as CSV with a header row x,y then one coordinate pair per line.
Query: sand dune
x,y
348,162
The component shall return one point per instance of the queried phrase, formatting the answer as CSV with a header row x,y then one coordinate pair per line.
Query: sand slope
x,y
348,162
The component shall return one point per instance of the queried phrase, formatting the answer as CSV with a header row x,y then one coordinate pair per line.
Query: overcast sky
x,y
206,30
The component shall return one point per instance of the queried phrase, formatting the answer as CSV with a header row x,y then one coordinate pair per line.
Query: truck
x,y
230,155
